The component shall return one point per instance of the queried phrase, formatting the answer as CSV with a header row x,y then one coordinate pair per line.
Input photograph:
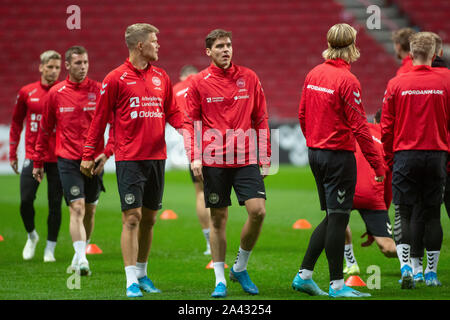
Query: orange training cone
x,y
168,215
355,281
1,238
210,265
301,224
93,249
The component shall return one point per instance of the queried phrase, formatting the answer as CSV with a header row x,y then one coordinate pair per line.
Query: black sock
x,y
335,243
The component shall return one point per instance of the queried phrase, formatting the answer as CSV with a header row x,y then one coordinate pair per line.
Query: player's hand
x,y
14,166
379,179
265,170
38,174
196,167
87,167
99,164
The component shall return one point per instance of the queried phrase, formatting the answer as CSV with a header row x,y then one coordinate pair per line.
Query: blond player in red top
x,y
204,215
332,119
30,106
139,96
415,124
228,102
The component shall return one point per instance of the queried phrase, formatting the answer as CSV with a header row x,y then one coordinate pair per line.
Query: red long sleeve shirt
x,y
416,112
231,107
141,102
180,92
370,194
70,107
331,114
406,66
30,106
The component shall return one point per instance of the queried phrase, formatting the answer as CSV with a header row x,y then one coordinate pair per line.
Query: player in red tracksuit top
x,y
332,119
69,108
415,124
29,106
228,102
401,47
372,199
140,98
204,216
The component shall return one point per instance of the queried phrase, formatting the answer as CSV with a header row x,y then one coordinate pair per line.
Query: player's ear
x,y
67,65
208,52
41,68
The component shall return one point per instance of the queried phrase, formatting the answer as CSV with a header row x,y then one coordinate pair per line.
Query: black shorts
x,y
419,176
335,175
246,181
76,185
140,183
377,222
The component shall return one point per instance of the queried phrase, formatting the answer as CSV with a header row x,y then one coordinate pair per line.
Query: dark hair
x,y
402,37
378,116
216,34
74,50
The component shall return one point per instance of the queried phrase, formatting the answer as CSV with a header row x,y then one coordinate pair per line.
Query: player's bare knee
x,y
132,218
77,210
257,214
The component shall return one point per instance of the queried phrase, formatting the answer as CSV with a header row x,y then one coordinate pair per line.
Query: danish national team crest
x,y
156,81
240,83
213,198
91,96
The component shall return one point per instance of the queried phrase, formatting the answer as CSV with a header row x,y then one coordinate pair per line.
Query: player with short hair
x,y
400,40
228,102
139,95
204,215
69,108
29,106
372,199
415,124
331,118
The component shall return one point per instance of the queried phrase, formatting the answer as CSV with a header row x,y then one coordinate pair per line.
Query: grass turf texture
x,y
177,264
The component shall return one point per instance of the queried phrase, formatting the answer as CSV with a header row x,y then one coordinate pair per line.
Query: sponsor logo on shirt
x,y
215,99
89,109
34,99
146,114
66,109
134,102
322,89
419,92
241,97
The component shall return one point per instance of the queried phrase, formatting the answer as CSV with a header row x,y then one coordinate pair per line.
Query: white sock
x,y
432,261
50,246
417,265
337,284
33,235
141,269
241,260
349,255
403,253
206,235
219,271
305,274
130,273
80,250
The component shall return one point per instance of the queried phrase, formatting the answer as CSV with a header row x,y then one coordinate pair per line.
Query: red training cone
x,y
301,224
1,238
210,265
93,249
355,281
168,215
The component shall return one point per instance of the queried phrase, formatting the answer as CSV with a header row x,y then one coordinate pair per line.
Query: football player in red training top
x,y
401,47
414,124
372,199
204,216
70,107
30,105
228,102
332,119
139,95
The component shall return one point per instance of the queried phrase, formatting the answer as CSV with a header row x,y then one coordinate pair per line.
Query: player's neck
x,y
138,61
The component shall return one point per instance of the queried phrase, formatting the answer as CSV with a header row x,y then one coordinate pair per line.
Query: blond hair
x,y
438,41
341,43
422,46
48,55
138,32
402,37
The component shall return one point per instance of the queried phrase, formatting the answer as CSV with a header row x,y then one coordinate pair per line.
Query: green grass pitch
x,y
177,264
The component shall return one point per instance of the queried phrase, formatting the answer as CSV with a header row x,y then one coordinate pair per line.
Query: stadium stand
x,y
280,40
431,15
